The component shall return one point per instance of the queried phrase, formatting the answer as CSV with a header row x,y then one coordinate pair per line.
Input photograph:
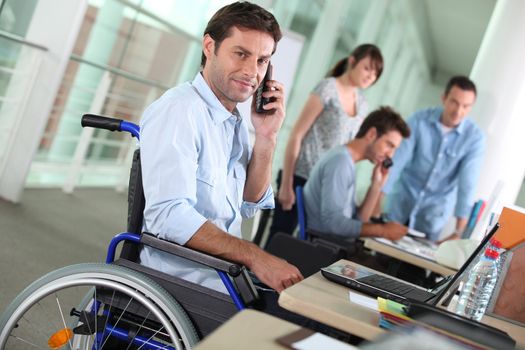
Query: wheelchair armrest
x,y
230,268
238,272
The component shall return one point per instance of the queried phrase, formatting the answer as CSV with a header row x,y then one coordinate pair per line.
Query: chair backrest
x,y
301,215
308,257
136,203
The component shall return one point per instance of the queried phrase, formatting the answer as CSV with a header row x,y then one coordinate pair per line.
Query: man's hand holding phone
x,y
268,107
380,173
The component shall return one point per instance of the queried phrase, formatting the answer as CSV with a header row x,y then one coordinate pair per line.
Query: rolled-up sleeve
x,y
248,209
169,164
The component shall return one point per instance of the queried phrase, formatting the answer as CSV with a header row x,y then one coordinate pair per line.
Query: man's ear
x,y
371,134
208,46
443,98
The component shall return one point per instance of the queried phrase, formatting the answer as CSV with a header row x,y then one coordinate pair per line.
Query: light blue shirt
x,y
329,195
437,171
194,157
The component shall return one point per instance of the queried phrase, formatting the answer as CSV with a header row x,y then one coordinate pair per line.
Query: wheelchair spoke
x,y
109,311
63,319
29,343
95,312
35,330
154,334
116,323
45,312
137,332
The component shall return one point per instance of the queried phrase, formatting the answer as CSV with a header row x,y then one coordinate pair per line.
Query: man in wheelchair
x,y
200,174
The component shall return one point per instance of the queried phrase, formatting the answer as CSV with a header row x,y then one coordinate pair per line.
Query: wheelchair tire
x,y
43,308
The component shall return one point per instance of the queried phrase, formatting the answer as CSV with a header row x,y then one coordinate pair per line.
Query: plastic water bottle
x,y
498,246
477,290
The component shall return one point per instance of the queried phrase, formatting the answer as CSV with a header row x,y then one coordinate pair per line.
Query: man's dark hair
x,y
462,82
241,15
384,119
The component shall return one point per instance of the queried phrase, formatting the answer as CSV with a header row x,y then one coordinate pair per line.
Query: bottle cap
x,y
496,243
490,253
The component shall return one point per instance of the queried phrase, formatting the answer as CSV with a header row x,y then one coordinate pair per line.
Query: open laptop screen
x,y
472,260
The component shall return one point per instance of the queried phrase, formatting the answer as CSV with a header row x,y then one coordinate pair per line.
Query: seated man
x,y
200,174
329,194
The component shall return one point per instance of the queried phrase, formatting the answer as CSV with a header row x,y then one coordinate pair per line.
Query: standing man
x,y
437,168
329,194
201,176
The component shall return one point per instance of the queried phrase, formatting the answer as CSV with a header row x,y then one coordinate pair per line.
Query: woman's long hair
x,y
360,52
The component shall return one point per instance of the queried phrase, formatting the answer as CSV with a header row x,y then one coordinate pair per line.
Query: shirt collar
x,y
437,120
220,113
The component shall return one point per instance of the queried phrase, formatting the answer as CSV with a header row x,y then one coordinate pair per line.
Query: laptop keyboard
x,y
396,287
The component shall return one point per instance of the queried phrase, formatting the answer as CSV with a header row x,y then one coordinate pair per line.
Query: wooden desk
x,y
249,329
328,302
402,255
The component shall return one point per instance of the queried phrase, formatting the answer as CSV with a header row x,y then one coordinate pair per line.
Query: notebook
x,y
368,281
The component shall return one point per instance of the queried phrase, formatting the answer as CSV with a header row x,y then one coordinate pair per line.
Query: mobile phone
x,y
260,101
388,162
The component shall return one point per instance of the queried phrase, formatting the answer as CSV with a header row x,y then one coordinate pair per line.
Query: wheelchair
x,y
122,304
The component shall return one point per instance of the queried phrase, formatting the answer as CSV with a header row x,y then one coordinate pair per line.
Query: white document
x,y
363,300
320,341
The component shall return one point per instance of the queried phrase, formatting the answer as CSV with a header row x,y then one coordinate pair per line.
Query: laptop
x,y
368,281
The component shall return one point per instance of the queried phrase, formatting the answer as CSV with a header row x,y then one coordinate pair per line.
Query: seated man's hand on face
x,y
379,175
275,272
394,230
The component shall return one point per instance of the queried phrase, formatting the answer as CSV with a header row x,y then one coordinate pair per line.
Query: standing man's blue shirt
x,y
437,173
194,157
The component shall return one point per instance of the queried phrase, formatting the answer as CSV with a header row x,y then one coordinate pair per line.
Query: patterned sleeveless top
x,y
333,127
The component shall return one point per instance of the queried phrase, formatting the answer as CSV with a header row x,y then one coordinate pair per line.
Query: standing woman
x,y
331,116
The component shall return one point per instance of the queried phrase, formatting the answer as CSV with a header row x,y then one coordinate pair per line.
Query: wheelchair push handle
x,y
111,124
99,122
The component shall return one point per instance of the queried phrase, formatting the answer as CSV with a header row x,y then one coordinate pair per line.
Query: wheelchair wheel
x,y
95,306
